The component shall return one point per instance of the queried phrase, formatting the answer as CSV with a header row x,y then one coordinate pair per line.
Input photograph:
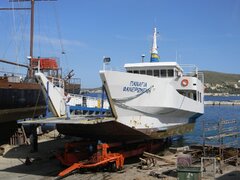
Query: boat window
x,y
149,72
176,73
156,72
46,73
54,73
142,72
189,93
195,96
163,73
170,72
136,72
200,97
129,71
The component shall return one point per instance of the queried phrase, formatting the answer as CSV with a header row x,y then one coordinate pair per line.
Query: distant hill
x,y
218,82
215,82
220,78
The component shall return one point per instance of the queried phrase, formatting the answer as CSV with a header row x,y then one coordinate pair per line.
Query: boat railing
x,y
88,101
59,82
191,70
201,76
12,76
8,73
74,81
110,68
73,85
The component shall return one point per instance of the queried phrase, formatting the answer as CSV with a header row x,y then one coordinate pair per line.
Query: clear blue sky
x,y
203,32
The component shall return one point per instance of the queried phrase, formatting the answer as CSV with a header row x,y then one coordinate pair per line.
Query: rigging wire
x,y
63,52
46,32
24,35
5,45
39,30
36,104
22,32
58,29
15,35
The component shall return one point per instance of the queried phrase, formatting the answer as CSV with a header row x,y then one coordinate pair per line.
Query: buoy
x,y
184,82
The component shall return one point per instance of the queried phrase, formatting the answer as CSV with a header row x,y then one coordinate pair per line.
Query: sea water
x,y
213,114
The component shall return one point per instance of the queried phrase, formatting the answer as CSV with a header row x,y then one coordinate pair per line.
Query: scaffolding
x,y
221,141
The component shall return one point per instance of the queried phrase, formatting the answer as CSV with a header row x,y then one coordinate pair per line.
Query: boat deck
x,y
107,128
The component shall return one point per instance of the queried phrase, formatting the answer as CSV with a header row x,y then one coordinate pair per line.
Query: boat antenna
x,y
154,52
143,56
106,61
176,55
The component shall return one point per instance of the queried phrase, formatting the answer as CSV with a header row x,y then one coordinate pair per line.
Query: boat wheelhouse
x,y
169,70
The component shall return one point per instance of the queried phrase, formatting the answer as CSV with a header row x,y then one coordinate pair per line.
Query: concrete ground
x,y
45,166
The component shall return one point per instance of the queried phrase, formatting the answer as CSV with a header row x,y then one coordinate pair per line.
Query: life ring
x,y
184,82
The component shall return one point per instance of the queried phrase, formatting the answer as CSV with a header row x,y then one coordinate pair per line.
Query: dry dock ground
x,y
45,166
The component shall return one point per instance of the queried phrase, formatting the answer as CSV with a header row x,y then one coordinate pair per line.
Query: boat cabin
x,y
48,66
158,69
166,70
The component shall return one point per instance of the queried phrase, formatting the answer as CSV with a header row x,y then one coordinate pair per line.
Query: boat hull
x,y
20,100
115,131
106,131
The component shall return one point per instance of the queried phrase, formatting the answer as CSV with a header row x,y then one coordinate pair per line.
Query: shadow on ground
x,y
42,163
233,175
38,167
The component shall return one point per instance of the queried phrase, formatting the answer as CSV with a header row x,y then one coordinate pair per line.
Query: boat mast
x,y
30,71
154,52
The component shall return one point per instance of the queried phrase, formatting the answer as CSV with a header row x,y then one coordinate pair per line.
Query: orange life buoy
x,y
184,82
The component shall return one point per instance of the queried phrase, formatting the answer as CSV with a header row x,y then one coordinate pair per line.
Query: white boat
x,y
149,100
153,96
53,90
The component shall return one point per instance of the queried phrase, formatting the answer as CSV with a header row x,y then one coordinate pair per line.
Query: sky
x,y
205,33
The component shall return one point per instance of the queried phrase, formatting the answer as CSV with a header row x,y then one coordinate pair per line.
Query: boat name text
x,y
137,86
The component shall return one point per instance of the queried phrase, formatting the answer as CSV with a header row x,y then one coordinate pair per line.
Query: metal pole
x,y
102,100
203,130
31,37
14,9
13,63
143,55
47,99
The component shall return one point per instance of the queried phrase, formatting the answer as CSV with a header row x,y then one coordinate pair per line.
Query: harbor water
x,y
213,113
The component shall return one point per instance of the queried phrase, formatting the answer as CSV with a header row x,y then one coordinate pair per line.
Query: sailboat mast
x,y
30,73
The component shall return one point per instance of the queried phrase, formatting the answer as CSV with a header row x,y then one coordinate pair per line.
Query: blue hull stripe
x,y
84,108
